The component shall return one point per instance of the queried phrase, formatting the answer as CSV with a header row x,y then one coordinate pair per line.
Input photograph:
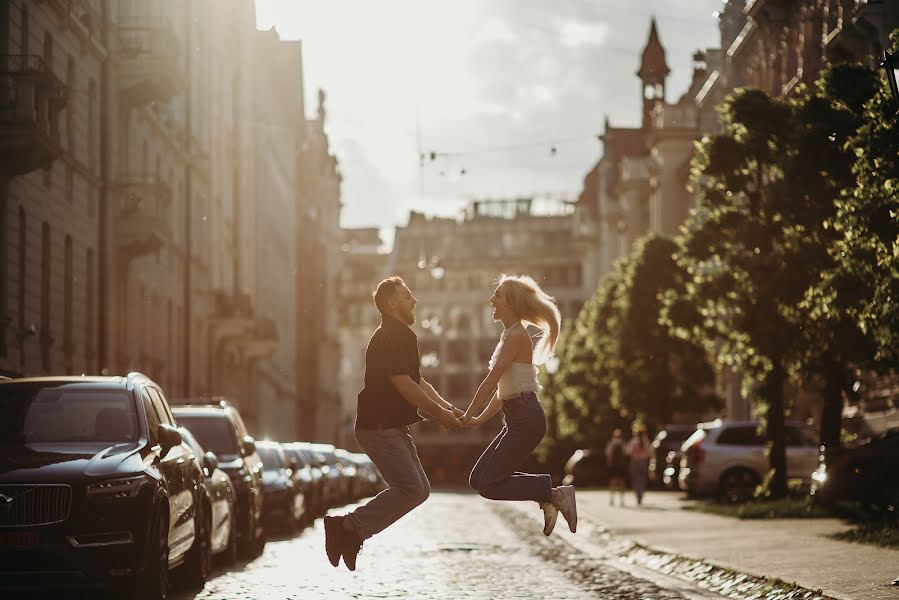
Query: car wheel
x,y
198,563
737,485
153,581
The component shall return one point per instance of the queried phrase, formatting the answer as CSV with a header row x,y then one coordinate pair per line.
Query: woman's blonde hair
x,y
535,307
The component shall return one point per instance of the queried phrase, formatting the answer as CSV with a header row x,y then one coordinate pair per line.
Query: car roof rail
x,y
219,401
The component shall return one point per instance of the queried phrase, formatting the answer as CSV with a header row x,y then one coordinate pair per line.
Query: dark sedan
x,y
221,501
867,473
97,486
283,490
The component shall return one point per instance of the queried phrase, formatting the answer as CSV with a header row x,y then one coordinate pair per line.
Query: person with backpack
x,y
616,460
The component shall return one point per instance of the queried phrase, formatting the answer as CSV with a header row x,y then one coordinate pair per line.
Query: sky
x,y
509,95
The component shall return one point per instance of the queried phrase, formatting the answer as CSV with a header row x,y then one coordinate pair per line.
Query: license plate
x,y
19,540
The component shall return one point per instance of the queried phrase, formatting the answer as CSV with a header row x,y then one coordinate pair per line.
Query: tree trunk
x,y
832,412
774,384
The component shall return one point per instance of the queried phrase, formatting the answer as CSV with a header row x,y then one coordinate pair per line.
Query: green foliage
x,y
655,373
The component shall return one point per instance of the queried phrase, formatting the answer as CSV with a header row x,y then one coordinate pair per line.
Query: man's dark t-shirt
x,y
392,350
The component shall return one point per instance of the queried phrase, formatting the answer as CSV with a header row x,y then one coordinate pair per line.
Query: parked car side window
x,y
238,422
741,436
152,417
801,437
164,415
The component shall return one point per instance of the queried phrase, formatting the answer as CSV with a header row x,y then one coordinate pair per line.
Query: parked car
x,y
586,467
668,440
221,501
97,486
370,480
352,486
313,493
305,475
867,473
335,484
729,459
282,487
219,429
325,489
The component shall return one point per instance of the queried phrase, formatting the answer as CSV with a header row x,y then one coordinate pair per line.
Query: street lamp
x,y
890,64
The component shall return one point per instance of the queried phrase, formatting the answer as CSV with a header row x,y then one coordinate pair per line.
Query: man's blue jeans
x,y
395,456
496,474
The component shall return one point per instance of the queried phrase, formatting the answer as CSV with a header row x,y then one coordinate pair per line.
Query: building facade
x,y
639,184
150,198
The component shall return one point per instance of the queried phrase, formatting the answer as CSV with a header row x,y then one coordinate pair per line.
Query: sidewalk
x,y
794,550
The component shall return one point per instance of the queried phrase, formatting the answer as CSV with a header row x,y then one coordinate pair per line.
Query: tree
x,y
655,373
744,270
581,389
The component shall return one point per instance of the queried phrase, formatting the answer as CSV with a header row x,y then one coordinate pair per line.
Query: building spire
x,y
653,66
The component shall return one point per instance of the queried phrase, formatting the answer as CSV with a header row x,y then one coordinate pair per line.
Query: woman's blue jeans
x,y
495,475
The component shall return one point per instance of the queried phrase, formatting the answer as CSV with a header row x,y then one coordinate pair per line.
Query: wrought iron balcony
x,y
143,219
30,100
148,60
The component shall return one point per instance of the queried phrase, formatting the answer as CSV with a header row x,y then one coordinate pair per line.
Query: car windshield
x,y
271,458
74,413
215,434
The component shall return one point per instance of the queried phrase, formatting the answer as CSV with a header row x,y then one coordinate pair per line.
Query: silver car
x,y
728,459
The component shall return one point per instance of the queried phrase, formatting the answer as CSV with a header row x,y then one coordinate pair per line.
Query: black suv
x,y
220,430
96,486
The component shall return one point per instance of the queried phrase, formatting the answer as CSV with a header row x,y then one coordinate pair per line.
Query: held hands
x,y
449,420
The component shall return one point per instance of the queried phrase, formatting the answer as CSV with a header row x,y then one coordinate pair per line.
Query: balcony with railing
x,y
143,216
31,97
148,59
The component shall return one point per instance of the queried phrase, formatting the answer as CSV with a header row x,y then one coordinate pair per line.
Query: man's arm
x,y
415,395
436,397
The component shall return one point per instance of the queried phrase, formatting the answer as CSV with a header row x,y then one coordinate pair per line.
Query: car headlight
x,y
116,489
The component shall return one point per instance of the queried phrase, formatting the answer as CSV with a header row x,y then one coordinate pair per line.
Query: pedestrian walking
x,y
616,461
394,391
639,450
511,385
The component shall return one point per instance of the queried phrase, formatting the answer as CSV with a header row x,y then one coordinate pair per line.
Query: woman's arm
x,y
492,408
511,347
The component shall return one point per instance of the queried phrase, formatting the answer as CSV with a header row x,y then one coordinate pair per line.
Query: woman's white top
x,y
518,378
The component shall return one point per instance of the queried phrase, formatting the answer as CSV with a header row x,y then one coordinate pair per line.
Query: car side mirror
x,y
249,445
210,461
169,437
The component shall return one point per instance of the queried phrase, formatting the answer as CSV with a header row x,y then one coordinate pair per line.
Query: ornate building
x,y
150,198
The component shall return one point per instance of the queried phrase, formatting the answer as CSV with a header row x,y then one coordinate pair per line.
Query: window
x,y
89,309
4,269
91,118
741,436
70,106
23,233
25,19
801,437
46,338
68,284
152,417
162,407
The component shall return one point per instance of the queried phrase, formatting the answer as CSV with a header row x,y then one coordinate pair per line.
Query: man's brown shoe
x,y
352,544
334,538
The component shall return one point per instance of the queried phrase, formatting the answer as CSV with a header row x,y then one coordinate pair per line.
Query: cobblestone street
x,y
454,546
